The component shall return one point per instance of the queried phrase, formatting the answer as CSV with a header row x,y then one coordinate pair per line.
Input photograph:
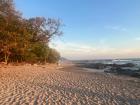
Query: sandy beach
x,y
69,85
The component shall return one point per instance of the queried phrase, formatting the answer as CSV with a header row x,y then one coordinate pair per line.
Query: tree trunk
x,y
6,58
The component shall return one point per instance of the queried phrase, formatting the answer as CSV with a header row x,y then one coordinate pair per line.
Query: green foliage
x,y
53,56
41,52
26,40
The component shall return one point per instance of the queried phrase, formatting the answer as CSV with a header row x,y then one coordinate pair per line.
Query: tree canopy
x,y
26,40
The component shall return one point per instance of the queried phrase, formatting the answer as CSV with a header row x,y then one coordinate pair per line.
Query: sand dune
x,y
43,85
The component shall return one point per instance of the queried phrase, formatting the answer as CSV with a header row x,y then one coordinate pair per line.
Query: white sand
x,y
35,85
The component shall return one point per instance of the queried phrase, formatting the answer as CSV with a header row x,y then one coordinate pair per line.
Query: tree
x,y
8,27
43,30
41,52
25,39
53,56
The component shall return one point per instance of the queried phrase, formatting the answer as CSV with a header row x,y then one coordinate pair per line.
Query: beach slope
x,y
52,85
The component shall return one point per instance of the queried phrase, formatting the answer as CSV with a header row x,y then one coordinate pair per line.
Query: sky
x,y
92,29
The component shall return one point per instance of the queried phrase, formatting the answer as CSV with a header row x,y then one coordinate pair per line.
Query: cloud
x,y
72,50
137,38
116,28
72,47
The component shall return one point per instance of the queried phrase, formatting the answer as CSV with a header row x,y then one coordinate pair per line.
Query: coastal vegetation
x,y
26,40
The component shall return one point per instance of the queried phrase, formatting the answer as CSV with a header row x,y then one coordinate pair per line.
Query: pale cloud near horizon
x,y
116,28
137,38
72,50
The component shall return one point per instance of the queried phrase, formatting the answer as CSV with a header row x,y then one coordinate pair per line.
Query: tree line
x,y
26,40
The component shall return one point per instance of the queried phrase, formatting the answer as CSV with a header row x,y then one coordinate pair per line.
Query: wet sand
x,y
69,85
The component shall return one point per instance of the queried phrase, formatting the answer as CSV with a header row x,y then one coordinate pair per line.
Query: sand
x,y
52,85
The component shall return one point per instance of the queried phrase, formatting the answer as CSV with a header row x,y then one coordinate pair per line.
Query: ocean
x,y
112,61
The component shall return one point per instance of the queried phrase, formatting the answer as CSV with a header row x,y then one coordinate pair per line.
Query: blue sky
x,y
94,29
